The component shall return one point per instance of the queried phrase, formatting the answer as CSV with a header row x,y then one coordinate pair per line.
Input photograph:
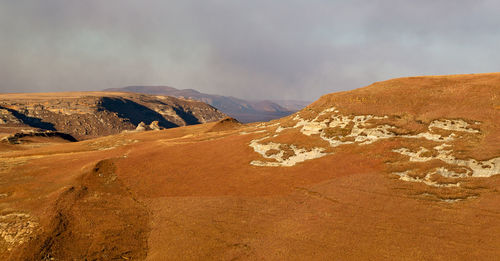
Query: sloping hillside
x,y
243,110
92,114
406,169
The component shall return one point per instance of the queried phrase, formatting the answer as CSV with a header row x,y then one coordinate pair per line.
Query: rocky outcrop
x,y
141,126
244,110
94,114
155,125
6,116
16,138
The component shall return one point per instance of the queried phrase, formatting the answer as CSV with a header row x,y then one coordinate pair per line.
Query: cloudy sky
x,y
281,49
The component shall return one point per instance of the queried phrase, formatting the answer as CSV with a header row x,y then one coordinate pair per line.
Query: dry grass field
x,y
405,169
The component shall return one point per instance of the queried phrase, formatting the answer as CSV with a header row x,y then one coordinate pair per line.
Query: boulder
x,y
154,125
141,127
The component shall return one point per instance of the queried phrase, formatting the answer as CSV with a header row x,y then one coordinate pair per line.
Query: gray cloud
x,y
291,49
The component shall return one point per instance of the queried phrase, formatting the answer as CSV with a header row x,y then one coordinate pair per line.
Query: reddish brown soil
x,y
191,194
226,124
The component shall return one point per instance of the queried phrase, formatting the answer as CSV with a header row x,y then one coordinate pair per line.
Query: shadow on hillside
x,y
186,116
14,139
134,112
31,121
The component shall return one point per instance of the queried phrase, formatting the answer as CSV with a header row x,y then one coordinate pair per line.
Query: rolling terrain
x,y
405,169
243,110
85,115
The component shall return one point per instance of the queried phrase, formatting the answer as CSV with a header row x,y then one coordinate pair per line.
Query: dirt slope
x,y
406,169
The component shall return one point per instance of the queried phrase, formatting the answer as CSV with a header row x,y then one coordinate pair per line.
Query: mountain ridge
x,y
244,110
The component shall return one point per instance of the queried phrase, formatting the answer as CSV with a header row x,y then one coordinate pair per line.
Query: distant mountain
x,y
292,105
243,110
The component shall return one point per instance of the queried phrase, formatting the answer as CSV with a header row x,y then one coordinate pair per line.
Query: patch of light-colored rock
x,y
300,154
426,180
363,132
486,168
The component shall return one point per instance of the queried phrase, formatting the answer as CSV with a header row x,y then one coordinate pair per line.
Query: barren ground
x,y
405,169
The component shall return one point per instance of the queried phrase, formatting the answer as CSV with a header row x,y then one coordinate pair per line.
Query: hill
x,y
243,110
405,169
92,114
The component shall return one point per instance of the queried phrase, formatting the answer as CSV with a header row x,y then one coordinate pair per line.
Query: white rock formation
x,y
362,130
154,126
426,180
300,154
141,126
16,228
485,168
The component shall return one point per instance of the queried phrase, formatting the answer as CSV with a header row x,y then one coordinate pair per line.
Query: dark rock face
x,y
244,110
94,115
16,138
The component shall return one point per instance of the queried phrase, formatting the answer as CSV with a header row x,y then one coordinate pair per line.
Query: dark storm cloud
x,y
251,49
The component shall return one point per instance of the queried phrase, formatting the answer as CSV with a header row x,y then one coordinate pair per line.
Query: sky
x,y
258,49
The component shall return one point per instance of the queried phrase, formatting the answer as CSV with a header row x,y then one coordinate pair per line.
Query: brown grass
x,y
186,193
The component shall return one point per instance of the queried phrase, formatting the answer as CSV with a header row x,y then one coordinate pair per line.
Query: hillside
x,y
92,114
405,169
243,110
